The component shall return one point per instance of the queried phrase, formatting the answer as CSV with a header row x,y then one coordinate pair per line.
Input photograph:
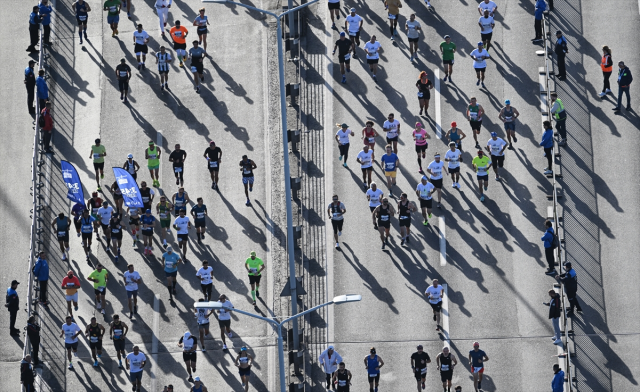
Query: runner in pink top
x,y
420,136
369,137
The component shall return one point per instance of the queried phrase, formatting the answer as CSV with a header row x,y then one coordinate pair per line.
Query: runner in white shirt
x,y
342,137
479,57
224,320
486,24
496,146
189,345
182,224
352,26
487,5
135,363
413,35
392,127
373,55
373,196
206,279
203,323
70,331
140,40
131,280
365,160
104,213
424,190
162,7
454,157
434,294
435,169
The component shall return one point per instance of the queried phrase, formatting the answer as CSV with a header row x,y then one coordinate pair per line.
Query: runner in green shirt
x,y
481,164
98,152
254,266
113,16
447,48
152,155
163,208
99,277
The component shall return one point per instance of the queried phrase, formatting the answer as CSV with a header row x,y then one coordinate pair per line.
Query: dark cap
x,y
419,347
123,60
14,282
31,62
558,32
212,143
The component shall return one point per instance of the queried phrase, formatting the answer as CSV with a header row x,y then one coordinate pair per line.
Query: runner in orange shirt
x,y
179,35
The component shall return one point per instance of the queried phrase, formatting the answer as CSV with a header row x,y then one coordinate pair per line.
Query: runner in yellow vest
x,y
152,155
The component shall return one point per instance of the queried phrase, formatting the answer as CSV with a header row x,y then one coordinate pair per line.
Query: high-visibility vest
x,y
560,114
603,64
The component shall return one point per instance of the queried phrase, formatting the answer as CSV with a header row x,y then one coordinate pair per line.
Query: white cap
x,y
187,334
130,156
330,347
196,379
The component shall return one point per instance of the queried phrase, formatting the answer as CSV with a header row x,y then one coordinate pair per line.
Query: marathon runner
x,y
334,9
76,211
117,197
179,36
199,214
392,127
98,152
70,331
405,208
393,6
254,266
148,222
369,135
244,361
373,363
198,386
178,157
246,167
474,115
123,75
342,378
182,224
163,209
424,190
152,155
140,41
496,146
127,4
446,362
448,50
373,196
224,319
163,59
477,358
131,280
344,55
455,135
435,169
135,363
508,115
61,225
487,5
203,320
115,228
85,226
390,162
81,9
372,48
117,332
479,57
424,95
94,203
383,214
453,157
189,345
205,273
100,278
180,201
481,164
420,137
419,361
162,9
353,26
71,285
131,166
336,211
105,213
170,260
147,195
202,21
486,24
113,15
134,223
196,54
213,155
413,35
342,137
94,332
434,294
365,159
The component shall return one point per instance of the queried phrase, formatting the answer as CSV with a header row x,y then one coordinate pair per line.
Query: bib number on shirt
x,y
177,169
100,288
420,94
97,155
372,140
336,214
353,33
62,233
392,16
373,375
82,18
194,69
213,163
347,56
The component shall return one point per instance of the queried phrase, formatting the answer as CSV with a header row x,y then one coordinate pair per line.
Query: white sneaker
x,y
75,354
607,91
453,185
458,185
602,94
548,172
98,306
224,346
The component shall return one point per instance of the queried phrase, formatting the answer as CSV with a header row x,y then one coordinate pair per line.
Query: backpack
x,y
554,241
41,122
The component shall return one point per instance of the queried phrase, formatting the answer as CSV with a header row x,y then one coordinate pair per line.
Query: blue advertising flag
x,y
71,178
128,187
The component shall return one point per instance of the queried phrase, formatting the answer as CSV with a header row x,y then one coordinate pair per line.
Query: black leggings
x,y
606,76
549,154
344,150
179,174
329,375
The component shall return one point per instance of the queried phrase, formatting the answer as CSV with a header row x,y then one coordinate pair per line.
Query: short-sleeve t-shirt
x,y
141,37
206,274
199,212
421,137
425,190
476,357
391,127
69,331
343,46
179,34
486,24
481,165
480,63
112,6
182,224
170,261
413,31
454,158
135,361
254,265
447,50
343,136
201,21
123,70
436,169
354,23
147,222
374,197
496,146
389,162
178,157
365,159
420,360
224,314
372,50
490,6
197,54
101,276
97,152
129,280
434,294
74,282
105,214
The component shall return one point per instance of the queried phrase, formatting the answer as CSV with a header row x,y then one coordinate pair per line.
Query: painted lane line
x,y
154,340
443,241
436,79
445,316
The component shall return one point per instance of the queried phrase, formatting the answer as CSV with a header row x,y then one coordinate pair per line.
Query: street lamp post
x,y
285,147
278,326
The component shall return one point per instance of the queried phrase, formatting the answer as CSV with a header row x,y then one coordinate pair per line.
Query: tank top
x,y
369,136
62,225
81,11
372,364
95,203
445,363
197,389
117,329
247,170
343,378
146,195
383,214
130,166
153,157
86,225
179,204
404,211
94,333
454,135
508,114
164,210
474,112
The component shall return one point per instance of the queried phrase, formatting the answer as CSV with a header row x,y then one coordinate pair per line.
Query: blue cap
x,y
480,43
507,102
342,34
493,134
148,211
243,348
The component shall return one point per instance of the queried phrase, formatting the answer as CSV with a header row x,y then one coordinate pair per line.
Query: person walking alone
x,y
30,84
624,82
41,273
561,51
547,144
541,6
550,245
607,67
554,315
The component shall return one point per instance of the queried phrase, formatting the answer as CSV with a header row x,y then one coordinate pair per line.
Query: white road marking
x,y
436,80
328,174
443,241
445,316
154,339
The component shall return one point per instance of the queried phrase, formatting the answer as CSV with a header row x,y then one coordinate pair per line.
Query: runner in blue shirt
x,y
390,163
373,363
86,227
147,221
170,259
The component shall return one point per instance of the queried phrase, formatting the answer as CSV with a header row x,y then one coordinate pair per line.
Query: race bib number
x,y
347,56
373,375
353,33
390,166
115,230
100,288
482,170
97,155
436,173
253,270
82,18
122,75
200,215
194,69
444,368
169,264
336,214
392,16
163,215
384,218
178,33
372,140
62,233
94,339
70,284
420,94
213,163
246,171
177,169
404,217
473,115
113,8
